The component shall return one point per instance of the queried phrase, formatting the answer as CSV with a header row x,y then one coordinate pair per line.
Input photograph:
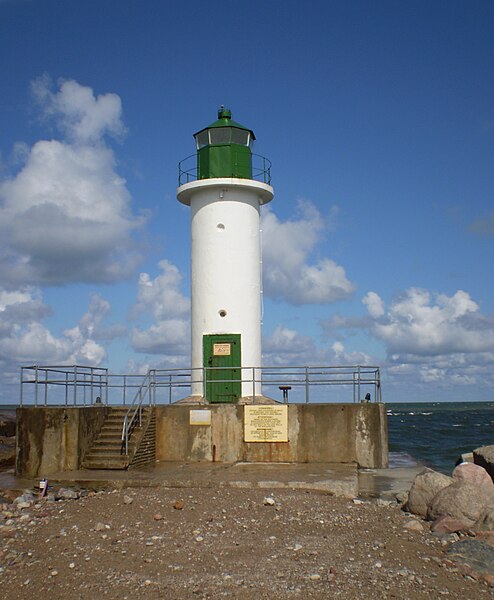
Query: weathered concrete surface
x,y
336,479
51,439
317,433
375,483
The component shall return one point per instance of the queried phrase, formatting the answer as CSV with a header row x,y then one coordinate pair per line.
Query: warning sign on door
x,y
266,423
221,350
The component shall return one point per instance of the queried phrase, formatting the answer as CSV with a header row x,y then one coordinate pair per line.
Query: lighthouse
x,y
225,188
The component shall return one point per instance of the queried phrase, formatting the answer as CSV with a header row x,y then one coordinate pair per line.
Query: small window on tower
x,y
221,135
240,136
202,139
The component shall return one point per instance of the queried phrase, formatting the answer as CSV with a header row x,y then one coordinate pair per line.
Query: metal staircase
x,y
109,450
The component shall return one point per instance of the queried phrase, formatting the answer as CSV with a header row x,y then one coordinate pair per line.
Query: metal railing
x,y
261,169
133,417
78,385
85,386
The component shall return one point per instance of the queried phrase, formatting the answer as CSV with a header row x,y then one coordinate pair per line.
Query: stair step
x,y
106,451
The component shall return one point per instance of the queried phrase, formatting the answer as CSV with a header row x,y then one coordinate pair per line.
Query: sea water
x,y
437,433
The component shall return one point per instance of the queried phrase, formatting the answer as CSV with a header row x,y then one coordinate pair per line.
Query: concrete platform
x,y
384,483
344,480
337,479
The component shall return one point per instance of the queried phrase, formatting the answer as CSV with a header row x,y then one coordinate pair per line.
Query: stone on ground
x,y
474,474
484,457
425,486
447,524
460,500
476,558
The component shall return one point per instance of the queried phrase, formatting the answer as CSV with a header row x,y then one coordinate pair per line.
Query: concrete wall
x,y
51,439
316,433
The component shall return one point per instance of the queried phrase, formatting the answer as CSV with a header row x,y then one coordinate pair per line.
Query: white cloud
x,y
161,296
435,340
66,216
81,116
286,346
415,323
162,299
165,337
374,304
286,251
24,339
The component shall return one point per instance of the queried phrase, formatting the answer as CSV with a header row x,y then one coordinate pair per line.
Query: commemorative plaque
x,y
266,423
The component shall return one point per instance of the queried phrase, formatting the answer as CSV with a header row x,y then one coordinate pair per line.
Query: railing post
x,y
21,390
91,383
306,385
358,383
154,387
66,388
36,386
169,389
126,435
75,385
84,388
106,387
46,388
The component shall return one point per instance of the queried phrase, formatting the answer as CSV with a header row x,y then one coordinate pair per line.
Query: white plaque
x,y
200,417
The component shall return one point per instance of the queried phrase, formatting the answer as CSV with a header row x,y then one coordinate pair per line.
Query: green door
x,y
222,367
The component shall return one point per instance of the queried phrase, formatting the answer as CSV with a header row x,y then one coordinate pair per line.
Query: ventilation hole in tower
x,y
220,226
222,313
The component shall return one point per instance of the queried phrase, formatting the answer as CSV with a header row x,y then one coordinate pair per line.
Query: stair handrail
x,y
134,414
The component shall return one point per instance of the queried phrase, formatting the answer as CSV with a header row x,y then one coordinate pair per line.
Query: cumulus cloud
x,y
418,323
288,274
81,116
162,298
65,216
374,304
434,338
286,346
23,337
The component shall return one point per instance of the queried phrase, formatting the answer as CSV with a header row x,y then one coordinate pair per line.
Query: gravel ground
x,y
225,542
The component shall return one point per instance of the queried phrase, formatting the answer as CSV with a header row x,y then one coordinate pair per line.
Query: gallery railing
x,y
78,385
260,167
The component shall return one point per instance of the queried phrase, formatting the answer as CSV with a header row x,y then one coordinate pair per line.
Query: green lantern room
x,y
224,149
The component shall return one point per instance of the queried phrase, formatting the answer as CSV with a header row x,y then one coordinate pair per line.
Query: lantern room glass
x,y
223,135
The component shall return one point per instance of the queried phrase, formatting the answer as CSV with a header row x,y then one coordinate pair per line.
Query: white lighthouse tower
x,y
225,192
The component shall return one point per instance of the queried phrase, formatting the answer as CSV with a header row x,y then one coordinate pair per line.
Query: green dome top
x,y
225,120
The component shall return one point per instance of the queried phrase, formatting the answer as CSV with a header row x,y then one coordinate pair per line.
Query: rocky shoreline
x,y
461,505
435,541
225,542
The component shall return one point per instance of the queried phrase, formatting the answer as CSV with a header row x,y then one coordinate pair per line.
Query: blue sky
x,y
378,118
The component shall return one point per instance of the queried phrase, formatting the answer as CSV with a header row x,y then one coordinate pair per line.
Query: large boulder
x,y
464,501
425,486
474,474
484,457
